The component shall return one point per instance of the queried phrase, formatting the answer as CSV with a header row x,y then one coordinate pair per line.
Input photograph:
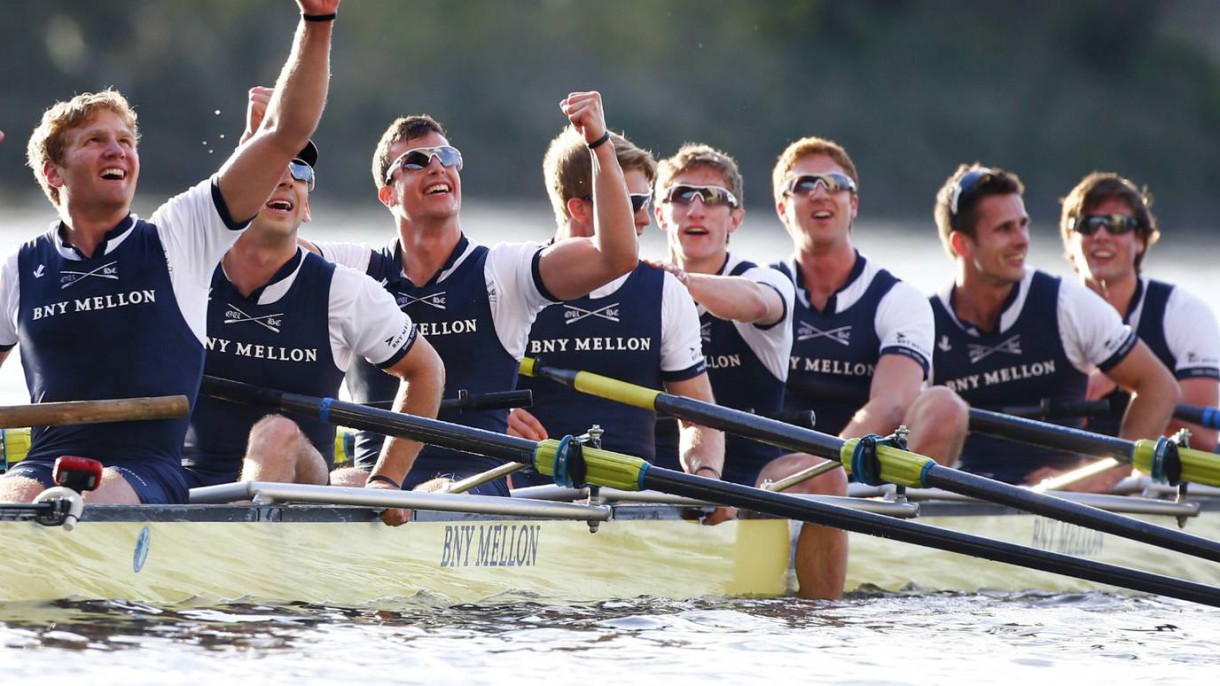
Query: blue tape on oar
x,y
865,465
1211,418
562,477
324,409
1166,464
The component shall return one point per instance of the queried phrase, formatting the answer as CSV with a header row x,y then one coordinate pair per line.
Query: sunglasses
x,y
1088,224
418,158
639,201
966,184
833,182
302,172
708,195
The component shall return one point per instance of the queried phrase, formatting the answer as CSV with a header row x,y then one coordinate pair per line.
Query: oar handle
x,y
94,411
1198,414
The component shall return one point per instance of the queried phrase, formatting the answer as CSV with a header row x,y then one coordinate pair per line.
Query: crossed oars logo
x,y
980,352
105,271
807,331
271,322
575,314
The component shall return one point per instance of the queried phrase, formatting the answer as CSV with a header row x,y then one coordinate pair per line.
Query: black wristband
x,y
385,479
708,467
601,140
319,17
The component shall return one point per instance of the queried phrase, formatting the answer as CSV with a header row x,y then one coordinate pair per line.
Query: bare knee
x,y
275,431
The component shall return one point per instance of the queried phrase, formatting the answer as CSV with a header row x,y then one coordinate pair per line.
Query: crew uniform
x,y
127,322
282,337
476,311
1051,333
835,350
747,365
1181,331
641,328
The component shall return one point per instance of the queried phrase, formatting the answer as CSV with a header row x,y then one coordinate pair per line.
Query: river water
x,y
865,638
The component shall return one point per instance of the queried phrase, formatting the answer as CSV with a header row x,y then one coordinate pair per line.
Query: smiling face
x,y
285,210
1106,257
100,165
821,219
432,194
996,253
697,234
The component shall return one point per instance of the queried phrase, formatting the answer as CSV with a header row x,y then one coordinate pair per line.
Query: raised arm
x,y
735,298
251,174
571,268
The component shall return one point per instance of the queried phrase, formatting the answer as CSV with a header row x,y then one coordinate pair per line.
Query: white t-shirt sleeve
x,y
10,300
365,320
771,343
352,255
1092,332
1192,336
195,237
905,325
514,292
681,346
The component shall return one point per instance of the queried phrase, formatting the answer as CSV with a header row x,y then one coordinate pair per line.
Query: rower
x,y
476,304
306,321
642,327
1008,334
745,315
108,305
1108,227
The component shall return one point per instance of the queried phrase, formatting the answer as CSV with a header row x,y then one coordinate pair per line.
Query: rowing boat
x,y
325,545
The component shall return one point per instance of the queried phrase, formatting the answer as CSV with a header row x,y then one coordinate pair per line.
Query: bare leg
x,y
939,420
353,477
113,490
18,489
278,451
821,551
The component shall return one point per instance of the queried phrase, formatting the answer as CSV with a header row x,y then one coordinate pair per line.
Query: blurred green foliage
x,y
1052,89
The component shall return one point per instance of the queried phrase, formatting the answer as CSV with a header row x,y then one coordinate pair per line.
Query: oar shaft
x,y
975,486
94,411
806,510
1198,414
1050,435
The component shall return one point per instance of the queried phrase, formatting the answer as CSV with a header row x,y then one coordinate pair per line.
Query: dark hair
x,y
403,129
1098,187
957,201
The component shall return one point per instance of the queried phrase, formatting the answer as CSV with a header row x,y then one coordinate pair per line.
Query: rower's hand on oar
x,y
522,424
1100,385
256,109
584,110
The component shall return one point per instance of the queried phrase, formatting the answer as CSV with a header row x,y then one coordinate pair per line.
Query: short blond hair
x,y
49,140
567,168
699,156
809,147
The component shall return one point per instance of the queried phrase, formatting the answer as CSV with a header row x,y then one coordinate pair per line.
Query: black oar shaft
x,y
1198,414
957,481
1051,436
762,429
782,505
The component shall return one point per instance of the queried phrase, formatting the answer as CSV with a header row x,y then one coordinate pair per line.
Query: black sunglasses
x,y
833,182
639,201
1116,224
708,195
301,171
418,158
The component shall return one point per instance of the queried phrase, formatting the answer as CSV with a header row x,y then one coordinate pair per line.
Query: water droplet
x,y
210,151
222,136
217,113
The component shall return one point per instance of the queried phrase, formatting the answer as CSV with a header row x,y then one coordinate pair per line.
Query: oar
x,y
615,470
1161,459
877,463
94,411
1198,414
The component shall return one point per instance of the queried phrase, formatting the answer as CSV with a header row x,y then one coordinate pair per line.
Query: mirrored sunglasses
x,y
833,182
966,184
302,172
1088,224
418,158
708,195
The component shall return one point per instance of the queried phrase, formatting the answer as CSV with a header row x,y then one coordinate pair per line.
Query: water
x,y
864,638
